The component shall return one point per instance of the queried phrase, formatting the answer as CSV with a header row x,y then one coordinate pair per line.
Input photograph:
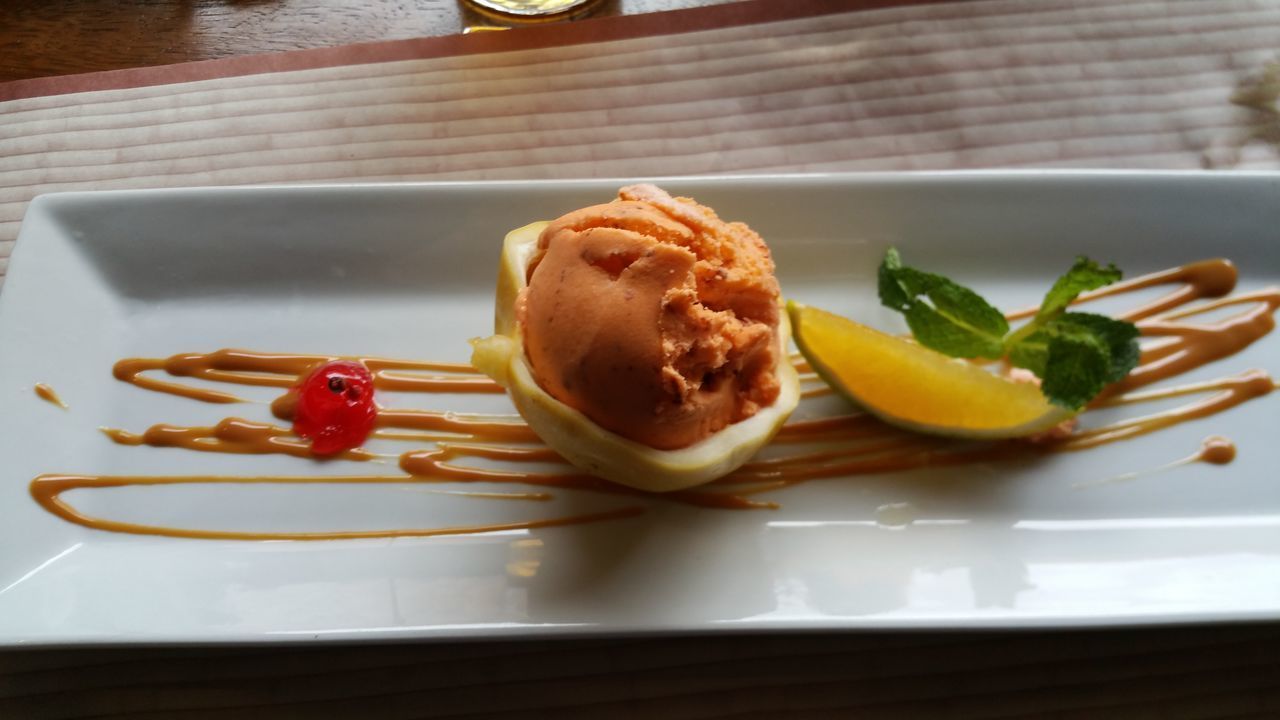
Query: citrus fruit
x,y
913,387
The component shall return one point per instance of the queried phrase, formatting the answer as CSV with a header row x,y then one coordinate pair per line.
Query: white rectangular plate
x,y
408,270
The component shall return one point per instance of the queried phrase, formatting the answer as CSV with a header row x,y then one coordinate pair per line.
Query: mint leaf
x,y
1084,275
956,321
1075,355
1119,337
1065,334
939,332
1076,368
892,294
1031,353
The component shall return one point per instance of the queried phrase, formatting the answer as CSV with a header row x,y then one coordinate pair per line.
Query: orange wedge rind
x,y
918,389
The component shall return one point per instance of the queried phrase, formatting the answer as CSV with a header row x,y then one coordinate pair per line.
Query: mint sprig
x,y
1075,355
958,322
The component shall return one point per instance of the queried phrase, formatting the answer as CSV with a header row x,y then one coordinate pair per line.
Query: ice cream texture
x,y
653,317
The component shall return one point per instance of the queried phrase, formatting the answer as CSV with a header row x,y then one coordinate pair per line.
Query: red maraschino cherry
x,y
335,407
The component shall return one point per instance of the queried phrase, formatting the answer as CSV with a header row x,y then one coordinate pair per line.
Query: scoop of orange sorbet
x,y
653,317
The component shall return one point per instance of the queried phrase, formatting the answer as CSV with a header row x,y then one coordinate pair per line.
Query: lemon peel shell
x,y
587,445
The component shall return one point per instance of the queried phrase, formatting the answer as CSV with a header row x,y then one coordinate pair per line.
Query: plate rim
x,y
512,631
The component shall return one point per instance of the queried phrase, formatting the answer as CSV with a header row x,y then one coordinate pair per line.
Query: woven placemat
x,y
806,86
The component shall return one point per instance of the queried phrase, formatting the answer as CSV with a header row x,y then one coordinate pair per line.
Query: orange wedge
x,y
913,387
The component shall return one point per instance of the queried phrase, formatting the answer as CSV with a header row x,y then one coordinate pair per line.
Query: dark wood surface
x,y
1229,672
1179,673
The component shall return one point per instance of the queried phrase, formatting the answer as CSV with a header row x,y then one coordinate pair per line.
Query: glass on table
x,y
527,11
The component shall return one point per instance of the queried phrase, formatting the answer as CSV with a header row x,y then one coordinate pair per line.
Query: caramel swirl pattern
x,y
805,450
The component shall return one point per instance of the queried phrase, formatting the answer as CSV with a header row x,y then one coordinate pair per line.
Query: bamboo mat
x,y
776,87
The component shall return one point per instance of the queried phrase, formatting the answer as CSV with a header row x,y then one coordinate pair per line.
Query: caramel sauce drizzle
x,y
533,496
508,428
1214,450
244,367
1231,391
466,424
232,435
435,464
47,491
853,444
47,394
1201,279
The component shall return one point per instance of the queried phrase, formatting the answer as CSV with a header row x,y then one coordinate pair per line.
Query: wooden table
x,y
1150,673
1158,674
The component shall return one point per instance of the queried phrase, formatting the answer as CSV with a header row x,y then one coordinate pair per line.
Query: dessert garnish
x,y
1074,354
335,408
916,388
